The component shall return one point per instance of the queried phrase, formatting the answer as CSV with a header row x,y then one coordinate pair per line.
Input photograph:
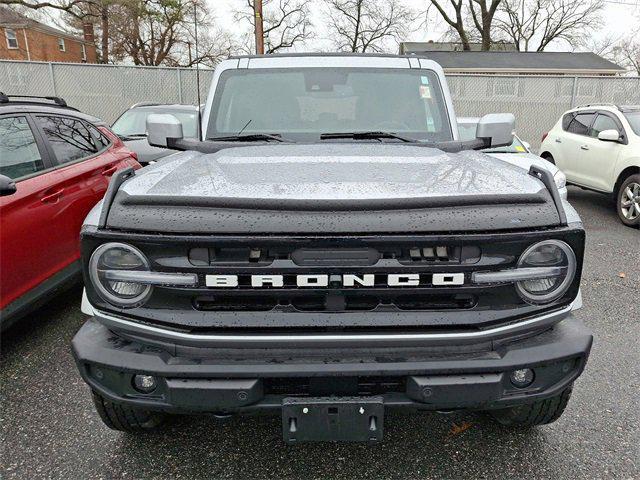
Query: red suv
x,y
55,165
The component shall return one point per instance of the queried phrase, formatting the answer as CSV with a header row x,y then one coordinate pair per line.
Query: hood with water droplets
x,y
332,187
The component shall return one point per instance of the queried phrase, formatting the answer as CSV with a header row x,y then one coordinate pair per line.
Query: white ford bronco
x,y
329,250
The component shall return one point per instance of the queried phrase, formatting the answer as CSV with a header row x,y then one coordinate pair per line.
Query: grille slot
x,y
248,303
299,387
231,256
434,302
334,302
335,257
434,253
262,255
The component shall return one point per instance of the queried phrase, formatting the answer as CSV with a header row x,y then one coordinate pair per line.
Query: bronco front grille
x,y
442,295
279,267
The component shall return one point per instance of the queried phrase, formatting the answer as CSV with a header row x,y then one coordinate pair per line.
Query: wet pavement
x,y
50,430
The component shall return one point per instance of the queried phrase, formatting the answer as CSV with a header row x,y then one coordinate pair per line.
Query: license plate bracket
x,y
343,419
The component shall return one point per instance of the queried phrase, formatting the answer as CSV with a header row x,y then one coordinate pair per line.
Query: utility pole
x,y
257,10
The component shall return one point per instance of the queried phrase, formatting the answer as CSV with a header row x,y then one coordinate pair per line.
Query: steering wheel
x,y
391,126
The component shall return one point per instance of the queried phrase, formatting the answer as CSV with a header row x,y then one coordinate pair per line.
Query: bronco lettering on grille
x,y
347,280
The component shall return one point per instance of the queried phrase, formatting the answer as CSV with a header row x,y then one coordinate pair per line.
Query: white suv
x,y
598,147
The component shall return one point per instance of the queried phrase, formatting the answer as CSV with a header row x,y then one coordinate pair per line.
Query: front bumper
x,y
226,380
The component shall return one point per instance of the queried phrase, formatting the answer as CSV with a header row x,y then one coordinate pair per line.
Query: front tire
x,y
628,201
541,412
124,418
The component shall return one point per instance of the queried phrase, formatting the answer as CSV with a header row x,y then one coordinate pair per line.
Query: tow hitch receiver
x,y
322,419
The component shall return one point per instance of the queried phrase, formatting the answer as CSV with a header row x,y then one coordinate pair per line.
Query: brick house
x,y
22,38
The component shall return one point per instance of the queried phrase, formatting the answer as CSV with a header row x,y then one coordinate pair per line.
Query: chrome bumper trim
x,y
146,331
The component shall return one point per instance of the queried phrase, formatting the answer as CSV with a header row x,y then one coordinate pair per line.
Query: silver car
x,y
131,128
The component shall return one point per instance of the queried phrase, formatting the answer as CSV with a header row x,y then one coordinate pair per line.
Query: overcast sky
x,y
621,17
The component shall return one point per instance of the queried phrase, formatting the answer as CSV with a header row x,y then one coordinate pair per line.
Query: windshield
x,y
134,122
634,120
467,131
302,103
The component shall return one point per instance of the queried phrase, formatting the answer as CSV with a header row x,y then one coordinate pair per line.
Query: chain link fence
x,y
107,90
103,90
537,101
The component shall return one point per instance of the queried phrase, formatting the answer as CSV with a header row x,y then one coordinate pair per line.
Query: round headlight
x,y
548,253
113,257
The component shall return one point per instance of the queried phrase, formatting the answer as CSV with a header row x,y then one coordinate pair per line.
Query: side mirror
x,y
496,129
7,186
162,128
609,135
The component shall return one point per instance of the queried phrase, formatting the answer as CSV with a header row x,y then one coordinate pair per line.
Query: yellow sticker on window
x,y
520,148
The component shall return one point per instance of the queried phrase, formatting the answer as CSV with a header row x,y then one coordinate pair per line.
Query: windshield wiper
x,y
249,137
367,136
501,151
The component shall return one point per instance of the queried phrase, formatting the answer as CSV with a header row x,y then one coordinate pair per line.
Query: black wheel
x,y
628,201
541,412
548,157
124,418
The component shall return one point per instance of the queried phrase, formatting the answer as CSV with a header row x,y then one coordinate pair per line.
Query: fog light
x,y
522,378
144,383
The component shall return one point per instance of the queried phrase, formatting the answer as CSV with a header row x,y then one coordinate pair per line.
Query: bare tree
x,y
617,48
457,23
604,46
78,12
627,53
534,24
366,25
146,32
214,45
286,22
161,32
483,13
470,19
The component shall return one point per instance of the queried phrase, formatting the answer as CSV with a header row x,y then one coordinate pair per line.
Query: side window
x,y
566,120
12,39
68,137
581,123
19,154
603,122
99,138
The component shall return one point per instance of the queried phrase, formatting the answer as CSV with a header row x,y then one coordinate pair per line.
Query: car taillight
x,y
544,135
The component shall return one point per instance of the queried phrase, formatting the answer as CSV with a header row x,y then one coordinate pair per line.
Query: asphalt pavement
x,y
50,430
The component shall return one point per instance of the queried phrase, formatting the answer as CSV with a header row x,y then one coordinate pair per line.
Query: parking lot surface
x,y
50,430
